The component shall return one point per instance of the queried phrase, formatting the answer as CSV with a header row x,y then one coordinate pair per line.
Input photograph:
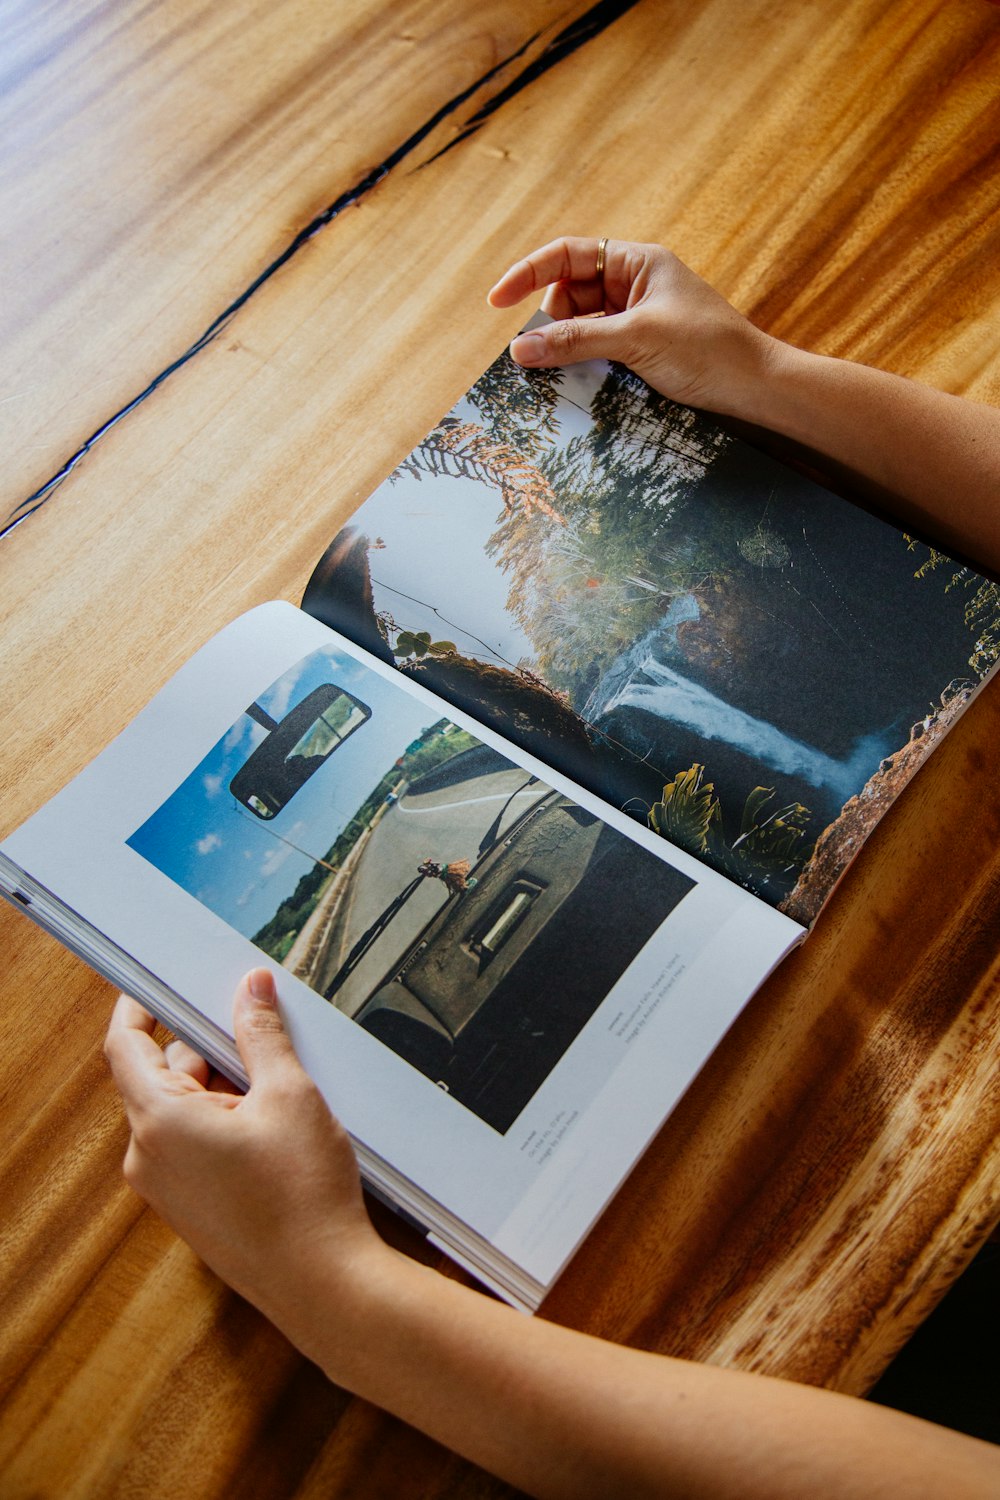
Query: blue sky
x,y
236,864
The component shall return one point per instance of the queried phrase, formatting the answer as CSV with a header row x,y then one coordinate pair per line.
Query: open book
x,y
579,723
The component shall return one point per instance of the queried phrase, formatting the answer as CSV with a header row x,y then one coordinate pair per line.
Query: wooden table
x,y
834,170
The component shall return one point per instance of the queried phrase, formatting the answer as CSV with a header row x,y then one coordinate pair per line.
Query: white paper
x,y
530,1190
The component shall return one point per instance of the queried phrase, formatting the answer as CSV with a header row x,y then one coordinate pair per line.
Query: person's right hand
x,y
660,319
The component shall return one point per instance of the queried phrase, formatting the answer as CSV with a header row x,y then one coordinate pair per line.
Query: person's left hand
x,y
263,1185
658,317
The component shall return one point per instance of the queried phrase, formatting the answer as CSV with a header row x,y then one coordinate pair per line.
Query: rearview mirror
x,y
296,748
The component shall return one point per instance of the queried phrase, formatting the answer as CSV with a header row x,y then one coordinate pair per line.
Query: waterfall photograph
x,y
696,632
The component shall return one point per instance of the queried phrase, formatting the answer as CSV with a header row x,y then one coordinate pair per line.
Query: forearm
x,y
935,457
560,1414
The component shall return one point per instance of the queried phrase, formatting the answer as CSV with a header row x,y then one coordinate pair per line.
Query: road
x,y
445,817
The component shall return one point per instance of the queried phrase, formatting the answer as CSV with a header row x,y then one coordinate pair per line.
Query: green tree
x,y
518,406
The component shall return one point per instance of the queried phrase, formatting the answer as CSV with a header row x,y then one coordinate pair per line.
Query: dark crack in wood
x,y
582,30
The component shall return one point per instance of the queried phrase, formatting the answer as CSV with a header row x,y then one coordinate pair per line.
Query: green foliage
x,y
644,435
518,406
770,846
284,947
769,843
418,643
277,936
688,811
982,603
596,537
436,750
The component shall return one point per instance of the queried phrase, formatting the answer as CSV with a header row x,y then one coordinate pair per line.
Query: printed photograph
x,y
467,915
742,660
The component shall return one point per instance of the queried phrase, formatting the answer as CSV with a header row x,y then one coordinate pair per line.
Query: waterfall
x,y
663,636
640,679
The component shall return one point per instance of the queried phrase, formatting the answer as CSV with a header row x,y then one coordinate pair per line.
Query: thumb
x,y
263,1043
570,341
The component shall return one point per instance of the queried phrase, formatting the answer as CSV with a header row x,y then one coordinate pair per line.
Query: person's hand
x,y
659,318
263,1185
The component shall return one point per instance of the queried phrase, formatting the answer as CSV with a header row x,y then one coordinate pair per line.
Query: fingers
x,y
569,342
218,1083
575,299
184,1059
129,1015
144,1074
136,1061
567,259
263,1042
576,291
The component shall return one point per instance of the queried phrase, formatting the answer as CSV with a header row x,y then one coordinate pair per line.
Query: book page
x,y
734,655
477,962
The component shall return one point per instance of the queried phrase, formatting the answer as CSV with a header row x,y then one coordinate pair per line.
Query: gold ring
x,y
602,246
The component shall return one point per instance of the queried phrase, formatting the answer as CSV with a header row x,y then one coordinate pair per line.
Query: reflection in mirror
x,y
296,748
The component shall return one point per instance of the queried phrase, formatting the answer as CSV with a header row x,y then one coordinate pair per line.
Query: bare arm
x,y
935,457
265,1187
564,1415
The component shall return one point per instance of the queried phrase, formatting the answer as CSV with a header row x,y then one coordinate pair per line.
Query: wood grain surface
x,y
834,170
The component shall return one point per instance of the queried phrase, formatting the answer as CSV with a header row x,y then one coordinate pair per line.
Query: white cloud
x,y
209,843
212,785
279,694
276,857
243,735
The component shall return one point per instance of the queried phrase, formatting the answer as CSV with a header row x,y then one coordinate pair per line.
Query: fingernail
x,y
528,348
261,983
